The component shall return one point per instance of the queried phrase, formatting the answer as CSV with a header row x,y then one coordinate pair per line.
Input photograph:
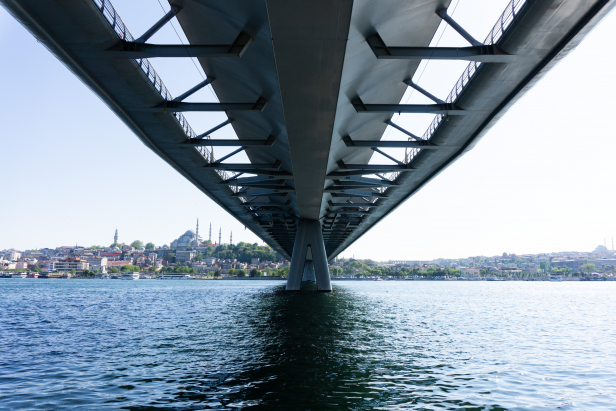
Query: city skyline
x,y
608,244
529,186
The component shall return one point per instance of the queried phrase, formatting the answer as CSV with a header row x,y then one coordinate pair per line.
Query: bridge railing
x,y
113,18
503,23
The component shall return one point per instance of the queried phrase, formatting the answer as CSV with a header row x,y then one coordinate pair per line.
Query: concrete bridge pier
x,y
309,261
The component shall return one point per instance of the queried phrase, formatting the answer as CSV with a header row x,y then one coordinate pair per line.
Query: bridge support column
x,y
309,260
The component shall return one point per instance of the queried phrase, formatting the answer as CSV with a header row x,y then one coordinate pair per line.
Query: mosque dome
x,y
165,247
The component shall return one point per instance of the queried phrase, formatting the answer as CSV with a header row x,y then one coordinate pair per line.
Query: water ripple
x,y
249,345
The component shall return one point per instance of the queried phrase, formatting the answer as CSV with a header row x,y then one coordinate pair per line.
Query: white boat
x,y
130,276
556,277
174,277
102,277
19,275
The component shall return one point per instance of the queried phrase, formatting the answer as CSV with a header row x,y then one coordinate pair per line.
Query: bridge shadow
x,y
316,351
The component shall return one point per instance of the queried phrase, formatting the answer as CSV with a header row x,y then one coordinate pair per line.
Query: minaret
x,y
115,237
231,239
220,236
210,233
197,233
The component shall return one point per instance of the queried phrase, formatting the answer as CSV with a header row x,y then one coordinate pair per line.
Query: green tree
x,y
150,246
217,273
115,245
335,271
73,271
588,268
114,270
136,244
241,273
255,273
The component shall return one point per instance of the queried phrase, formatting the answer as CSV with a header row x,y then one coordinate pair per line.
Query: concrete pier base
x,y
309,261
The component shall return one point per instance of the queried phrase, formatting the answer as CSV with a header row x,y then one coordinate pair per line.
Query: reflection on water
x,y
250,345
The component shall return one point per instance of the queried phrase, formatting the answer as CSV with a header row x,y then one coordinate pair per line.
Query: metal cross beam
x,y
346,212
243,167
134,50
368,180
265,186
358,194
250,169
447,108
177,106
220,160
252,181
408,133
163,20
194,90
270,204
423,91
482,53
263,193
373,167
361,172
389,144
230,143
218,127
442,13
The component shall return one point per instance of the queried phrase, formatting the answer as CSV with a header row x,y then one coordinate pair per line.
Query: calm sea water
x,y
192,345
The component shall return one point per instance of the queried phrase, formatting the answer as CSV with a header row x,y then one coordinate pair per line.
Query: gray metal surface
x,y
309,87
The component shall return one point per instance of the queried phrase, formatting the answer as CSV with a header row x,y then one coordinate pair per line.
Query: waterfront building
x,y
96,261
72,263
469,272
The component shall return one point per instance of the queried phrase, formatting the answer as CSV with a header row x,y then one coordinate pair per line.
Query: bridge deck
x,y
325,88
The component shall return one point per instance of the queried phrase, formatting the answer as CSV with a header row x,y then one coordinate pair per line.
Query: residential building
x,y
97,262
209,261
72,263
183,255
469,272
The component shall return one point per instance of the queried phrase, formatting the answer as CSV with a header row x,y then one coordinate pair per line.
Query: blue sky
x,y
541,180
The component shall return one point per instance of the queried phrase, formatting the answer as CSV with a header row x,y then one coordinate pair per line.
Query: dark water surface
x,y
191,345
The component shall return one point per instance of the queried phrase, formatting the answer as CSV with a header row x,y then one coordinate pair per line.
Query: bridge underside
x,y
309,88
